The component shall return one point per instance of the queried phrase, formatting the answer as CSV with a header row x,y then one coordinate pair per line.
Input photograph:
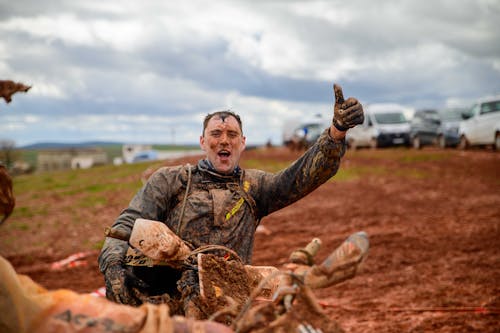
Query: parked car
x,y
305,136
424,128
483,125
303,132
436,127
384,125
448,135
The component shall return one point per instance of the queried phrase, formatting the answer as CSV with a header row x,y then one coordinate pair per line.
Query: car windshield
x,y
490,107
452,114
432,116
308,130
390,118
313,127
314,130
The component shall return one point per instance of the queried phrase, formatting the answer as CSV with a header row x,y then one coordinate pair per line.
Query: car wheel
x,y
497,141
373,143
415,141
441,141
463,144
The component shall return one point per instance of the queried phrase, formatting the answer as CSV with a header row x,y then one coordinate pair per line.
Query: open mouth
x,y
224,153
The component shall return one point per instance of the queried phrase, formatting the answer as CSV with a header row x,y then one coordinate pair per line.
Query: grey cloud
x,y
408,52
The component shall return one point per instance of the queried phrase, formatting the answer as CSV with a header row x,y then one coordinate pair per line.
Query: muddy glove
x,y
122,285
346,114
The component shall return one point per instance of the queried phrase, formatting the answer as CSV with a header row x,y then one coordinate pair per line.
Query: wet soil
x,y
433,218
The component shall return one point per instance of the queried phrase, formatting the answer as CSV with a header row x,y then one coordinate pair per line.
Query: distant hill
x,y
56,145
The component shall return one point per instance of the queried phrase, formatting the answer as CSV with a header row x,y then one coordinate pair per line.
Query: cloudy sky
x,y
149,71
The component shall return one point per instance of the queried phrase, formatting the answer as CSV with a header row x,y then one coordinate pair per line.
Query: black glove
x,y
122,286
189,286
346,114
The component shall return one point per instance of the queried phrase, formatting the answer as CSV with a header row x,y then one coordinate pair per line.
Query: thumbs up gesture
x,y
346,113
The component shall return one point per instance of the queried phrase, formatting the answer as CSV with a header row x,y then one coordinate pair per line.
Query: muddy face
x,y
223,143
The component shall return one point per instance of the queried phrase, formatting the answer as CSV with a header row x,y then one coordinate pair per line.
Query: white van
x,y
483,125
385,125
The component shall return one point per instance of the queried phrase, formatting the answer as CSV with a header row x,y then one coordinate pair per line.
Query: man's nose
x,y
224,138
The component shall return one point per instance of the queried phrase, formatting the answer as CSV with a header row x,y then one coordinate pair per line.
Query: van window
x,y
490,107
390,118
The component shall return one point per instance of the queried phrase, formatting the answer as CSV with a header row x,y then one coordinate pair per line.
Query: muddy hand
x,y
120,285
346,113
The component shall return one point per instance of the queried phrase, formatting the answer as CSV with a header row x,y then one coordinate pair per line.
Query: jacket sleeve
x,y
318,164
151,202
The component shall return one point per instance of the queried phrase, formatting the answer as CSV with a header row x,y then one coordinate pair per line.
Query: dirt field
x,y
433,217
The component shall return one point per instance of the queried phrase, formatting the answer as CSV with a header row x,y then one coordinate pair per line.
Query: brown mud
x,y
432,216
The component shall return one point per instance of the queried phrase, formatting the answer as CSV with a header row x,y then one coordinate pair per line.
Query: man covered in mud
x,y
215,203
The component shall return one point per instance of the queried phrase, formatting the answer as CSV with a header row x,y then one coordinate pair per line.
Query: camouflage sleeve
x,y
315,167
150,202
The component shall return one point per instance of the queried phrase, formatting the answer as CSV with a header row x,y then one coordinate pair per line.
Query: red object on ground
x,y
71,261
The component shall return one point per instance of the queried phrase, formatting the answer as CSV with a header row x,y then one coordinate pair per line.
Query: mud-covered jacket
x,y
223,209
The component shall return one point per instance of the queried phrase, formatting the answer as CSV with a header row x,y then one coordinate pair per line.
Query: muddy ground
x,y
433,217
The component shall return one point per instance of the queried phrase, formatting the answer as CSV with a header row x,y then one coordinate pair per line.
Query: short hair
x,y
223,115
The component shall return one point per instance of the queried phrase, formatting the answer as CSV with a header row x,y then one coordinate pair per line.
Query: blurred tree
x,y
8,153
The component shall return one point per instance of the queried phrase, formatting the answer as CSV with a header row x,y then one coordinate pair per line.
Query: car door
x,y
360,135
416,124
488,115
472,131
432,122
369,131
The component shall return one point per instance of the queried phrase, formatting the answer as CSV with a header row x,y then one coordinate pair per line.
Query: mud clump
x,y
228,296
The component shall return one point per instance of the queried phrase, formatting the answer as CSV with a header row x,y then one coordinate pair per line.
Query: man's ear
x,y
202,142
243,141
